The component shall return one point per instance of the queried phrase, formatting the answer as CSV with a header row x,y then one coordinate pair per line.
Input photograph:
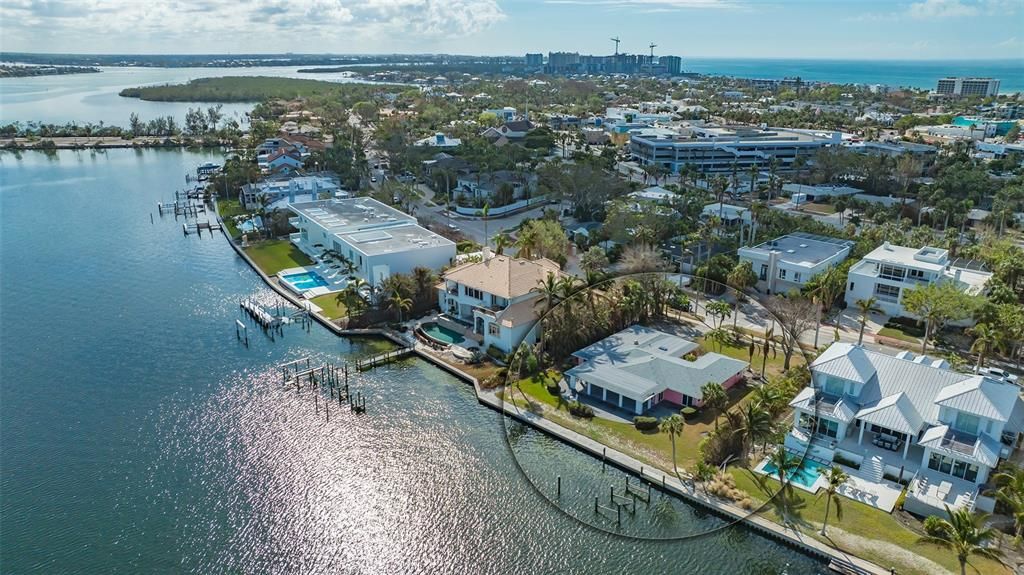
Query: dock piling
x,y
559,486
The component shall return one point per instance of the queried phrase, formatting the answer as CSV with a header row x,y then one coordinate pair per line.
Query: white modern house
x,y
495,299
788,262
729,214
907,417
281,188
888,271
640,367
378,239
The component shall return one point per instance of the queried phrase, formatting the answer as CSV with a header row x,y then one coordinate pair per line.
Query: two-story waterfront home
x,y
908,417
379,240
640,367
888,271
788,262
496,298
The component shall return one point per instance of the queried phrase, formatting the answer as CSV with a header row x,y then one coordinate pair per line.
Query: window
x,y
887,291
494,329
796,276
917,274
782,274
834,386
967,423
954,467
851,286
473,293
764,272
892,272
827,427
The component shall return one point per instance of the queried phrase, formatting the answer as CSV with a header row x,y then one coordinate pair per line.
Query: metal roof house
x,y
640,367
908,415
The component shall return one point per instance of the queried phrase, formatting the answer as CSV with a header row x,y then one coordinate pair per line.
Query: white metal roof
x,y
895,412
981,396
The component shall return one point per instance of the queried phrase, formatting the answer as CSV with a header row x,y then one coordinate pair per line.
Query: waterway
x,y
137,434
94,97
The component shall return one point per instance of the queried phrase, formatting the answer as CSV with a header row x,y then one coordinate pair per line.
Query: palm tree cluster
x,y
578,312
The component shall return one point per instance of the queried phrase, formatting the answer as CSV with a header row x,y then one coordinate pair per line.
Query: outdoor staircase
x,y
872,469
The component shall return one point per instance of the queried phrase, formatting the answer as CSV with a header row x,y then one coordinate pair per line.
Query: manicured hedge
x,y
644,423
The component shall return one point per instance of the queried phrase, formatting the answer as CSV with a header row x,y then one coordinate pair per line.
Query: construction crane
x,y
616,40
652,47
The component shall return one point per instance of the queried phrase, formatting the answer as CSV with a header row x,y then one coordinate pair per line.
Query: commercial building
x,y
378,239
495,298
886,417
640,367
713,149
961,86
889,271
788,262
535,60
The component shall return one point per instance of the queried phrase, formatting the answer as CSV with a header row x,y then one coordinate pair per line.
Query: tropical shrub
x,y
643,423
580,409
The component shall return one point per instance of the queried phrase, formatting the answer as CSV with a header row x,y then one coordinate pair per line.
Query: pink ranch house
x,y
640,367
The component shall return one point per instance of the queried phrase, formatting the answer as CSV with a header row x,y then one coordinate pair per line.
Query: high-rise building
x,y
535,60
671,65
968,86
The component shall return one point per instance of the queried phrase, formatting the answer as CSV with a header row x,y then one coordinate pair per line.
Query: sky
x,y
813,29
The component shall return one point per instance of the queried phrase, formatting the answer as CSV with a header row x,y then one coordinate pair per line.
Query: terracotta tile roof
x,y
503,276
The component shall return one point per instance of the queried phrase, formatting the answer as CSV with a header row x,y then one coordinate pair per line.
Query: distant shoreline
x,y
32,70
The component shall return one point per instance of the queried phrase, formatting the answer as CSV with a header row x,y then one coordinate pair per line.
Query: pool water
x,y
805,475
306,280
441,333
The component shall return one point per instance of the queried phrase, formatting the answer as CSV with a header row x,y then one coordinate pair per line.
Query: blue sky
x,y
836,29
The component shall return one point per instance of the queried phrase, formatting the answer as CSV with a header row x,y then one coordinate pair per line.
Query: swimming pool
x,y
441,334
305,280
805,475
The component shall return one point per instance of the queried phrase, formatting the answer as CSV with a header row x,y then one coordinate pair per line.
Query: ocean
x,y
906,73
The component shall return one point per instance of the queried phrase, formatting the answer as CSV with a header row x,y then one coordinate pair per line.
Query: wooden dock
x,y
382,358
198,227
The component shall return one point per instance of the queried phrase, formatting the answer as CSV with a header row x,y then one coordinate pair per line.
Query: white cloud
x,y
228,25
932,9
655,5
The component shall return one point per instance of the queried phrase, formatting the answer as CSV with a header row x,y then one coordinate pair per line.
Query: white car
x,y
1000,374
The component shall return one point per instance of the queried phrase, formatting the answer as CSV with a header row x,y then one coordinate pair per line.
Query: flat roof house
x,y
379,239
495,298
788,262
888,271
908,415
640,367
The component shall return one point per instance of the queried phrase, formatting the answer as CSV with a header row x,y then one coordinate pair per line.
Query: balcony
x,y
294,222
959,441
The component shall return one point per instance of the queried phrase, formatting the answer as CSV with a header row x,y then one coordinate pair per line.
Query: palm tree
x,y
866,307
769,398
715,398
835,478
673,425
754,424
985,339
399,303
501,241
1011,494
785,466
964,534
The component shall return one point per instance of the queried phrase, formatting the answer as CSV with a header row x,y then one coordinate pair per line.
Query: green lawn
x,y
228,209
898,334
741,352
332,308
651,447
808,510
273,256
